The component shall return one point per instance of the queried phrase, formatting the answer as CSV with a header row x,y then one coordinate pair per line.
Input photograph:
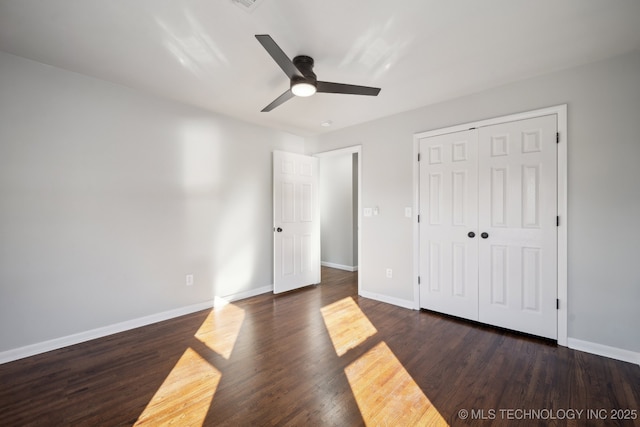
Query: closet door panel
x,y
448,206
517,208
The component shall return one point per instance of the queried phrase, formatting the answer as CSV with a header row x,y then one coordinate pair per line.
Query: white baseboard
x,y
389,300
351,268
57,343
604,350
219,301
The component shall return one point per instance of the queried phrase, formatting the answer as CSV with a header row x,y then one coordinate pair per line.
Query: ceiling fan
x,y
303,79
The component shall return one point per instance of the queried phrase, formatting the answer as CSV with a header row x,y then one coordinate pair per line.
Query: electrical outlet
x,y
189,279
389,273
368,212
407,212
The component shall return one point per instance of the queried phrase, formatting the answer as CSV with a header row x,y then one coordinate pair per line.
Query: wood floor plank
x,y
270,360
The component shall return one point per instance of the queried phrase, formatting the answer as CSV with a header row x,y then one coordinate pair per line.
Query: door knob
x,y
471,234
484,235
279,230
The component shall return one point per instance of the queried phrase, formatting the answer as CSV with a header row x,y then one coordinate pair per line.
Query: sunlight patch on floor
x,y
385,392
185,395
348,326
220,329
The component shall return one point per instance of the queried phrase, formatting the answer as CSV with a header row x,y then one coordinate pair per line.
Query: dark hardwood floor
x,y
317,356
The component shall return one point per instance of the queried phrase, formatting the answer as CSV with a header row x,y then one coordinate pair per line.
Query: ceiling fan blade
x,y
328,87
278,55
279,101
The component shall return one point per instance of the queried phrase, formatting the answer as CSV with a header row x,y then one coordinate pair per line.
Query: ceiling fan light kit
x,y
302,78
303,89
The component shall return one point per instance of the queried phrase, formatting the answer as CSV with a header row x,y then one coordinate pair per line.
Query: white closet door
x,y
517,211
448,213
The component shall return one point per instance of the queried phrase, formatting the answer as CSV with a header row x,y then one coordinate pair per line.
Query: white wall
x,y
110,197
337,211
604,189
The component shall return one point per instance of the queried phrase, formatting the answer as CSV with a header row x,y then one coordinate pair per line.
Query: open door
x,y
296,222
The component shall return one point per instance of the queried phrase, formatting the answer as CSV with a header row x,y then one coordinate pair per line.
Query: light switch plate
x,y
368,211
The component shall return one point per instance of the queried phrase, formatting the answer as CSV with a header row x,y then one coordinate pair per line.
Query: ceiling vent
x,y
247,5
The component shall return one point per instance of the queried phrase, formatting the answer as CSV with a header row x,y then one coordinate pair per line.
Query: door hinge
x,y
557,304
557,137
418,156
557,221
418,218
418,280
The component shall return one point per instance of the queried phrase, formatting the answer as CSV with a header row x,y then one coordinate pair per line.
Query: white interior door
x,y
296,220
517,211
488,233
448,224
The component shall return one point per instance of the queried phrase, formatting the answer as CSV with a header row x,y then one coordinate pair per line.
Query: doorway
x,y
339,191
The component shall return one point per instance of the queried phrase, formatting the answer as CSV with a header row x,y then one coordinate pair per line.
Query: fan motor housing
x,y
305,65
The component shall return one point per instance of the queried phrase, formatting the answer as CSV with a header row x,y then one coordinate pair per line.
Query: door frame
x,y
562,276
341,152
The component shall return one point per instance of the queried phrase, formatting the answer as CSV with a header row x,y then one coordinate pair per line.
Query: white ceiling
x,y
204,53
